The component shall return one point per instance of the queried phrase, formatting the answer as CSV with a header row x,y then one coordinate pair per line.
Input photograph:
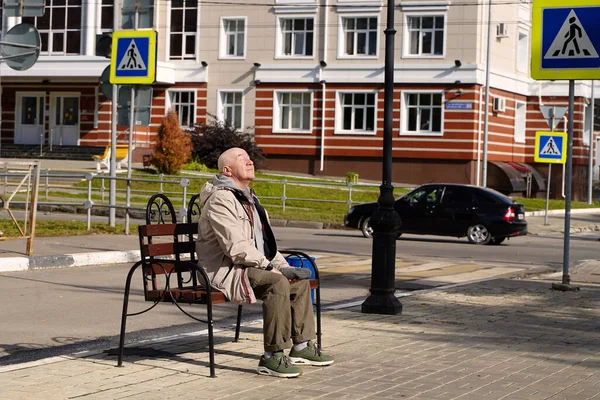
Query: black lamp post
x,y
385,221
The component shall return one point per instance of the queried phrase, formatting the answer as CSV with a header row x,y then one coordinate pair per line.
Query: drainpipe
x,y
323,87
487,96
478,174
323,93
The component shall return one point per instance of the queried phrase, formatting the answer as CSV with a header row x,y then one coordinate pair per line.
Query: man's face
x,y
241,168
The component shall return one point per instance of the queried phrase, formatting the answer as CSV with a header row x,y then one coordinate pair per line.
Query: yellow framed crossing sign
x,y
550,147
565,43
133,60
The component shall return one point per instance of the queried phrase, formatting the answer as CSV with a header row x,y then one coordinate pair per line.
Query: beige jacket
x,y
225,245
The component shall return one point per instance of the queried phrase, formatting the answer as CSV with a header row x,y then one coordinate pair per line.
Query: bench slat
x,y
168,229
165,249
189,295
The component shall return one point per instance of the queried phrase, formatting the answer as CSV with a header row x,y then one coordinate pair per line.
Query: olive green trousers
x,y
287,309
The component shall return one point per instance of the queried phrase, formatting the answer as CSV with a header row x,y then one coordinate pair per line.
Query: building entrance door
x,y
64,119
29,121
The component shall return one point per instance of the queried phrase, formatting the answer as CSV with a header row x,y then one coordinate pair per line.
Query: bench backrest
x,y
122,151
160,245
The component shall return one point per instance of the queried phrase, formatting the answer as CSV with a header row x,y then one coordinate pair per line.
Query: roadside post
x,y
133,62
385,221
564,46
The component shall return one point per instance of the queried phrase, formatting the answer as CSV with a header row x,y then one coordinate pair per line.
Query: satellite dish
x,y
21,47
105,85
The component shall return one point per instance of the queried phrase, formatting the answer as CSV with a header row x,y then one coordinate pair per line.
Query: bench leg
x,y
211,339
124,315
239,322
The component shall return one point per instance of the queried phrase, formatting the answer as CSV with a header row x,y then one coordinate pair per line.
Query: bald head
x,y
226,158
237,165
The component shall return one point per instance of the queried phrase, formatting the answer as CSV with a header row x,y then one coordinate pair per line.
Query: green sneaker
x,y
310,355
278,365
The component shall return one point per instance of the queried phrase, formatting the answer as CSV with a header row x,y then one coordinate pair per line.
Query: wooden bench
x,y
170,273
104,159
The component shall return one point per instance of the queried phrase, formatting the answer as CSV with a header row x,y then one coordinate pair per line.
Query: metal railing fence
x,y
58,187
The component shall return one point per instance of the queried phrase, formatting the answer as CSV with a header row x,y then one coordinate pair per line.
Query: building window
x,y
233,38
231,109
424,35
357,113
184,25
184,104
106,15
296,36
293,111
520,120
59,27
523,53
359,36
422,113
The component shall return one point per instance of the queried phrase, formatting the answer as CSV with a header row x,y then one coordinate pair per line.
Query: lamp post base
x,y
387,304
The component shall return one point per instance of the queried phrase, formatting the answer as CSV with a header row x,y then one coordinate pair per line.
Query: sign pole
x,y
129,147
549,170
129,160
591,149
548,193
112,188
566,278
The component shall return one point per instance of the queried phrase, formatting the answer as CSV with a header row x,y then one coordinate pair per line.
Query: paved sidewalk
x,y
500,339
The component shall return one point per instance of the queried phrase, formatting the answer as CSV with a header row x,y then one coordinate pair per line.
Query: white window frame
x,y
406,35
339,113
520,124
196,35
101,6
223,39
404,113
277,112
342,37
221,106
523,53
194,103
49,32
279,40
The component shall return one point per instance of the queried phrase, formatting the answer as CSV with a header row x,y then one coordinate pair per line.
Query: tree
x,y
173,146
213,138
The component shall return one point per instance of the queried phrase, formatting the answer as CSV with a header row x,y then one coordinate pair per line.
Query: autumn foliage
x,y
173,146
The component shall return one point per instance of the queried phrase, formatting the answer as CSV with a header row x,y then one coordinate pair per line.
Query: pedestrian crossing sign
x,y
133,60
550,147
565,41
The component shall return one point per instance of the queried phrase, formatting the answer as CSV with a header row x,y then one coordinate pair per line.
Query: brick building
x,y
307,76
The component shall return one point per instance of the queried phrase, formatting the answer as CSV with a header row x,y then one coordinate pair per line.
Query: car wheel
x,y
366,228
478,234
497,240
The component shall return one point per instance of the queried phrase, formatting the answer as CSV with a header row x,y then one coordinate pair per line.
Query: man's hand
x,y
275,270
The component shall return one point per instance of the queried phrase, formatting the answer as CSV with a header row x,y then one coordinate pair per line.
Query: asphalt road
x,y
55,311
545,250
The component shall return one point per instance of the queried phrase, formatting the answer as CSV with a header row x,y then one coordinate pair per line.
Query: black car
x,y
484,216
